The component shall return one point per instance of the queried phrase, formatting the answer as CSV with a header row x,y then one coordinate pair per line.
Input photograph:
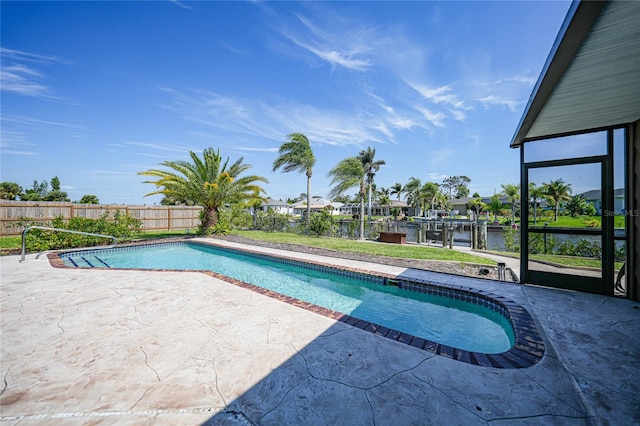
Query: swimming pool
x,y
459,323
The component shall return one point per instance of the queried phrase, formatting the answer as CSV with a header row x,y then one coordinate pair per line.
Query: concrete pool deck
x,y
144,347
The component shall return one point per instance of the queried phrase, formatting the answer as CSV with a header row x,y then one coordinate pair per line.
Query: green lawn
x,y
560,260
366,247
11,242
576,222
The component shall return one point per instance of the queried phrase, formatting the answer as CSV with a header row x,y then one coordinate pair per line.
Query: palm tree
x,y
371,167
429,193
412,189
535,195
512,192
495,205
557,190
397,189
296,154
207,182
476,204
384,200
441,200
347,174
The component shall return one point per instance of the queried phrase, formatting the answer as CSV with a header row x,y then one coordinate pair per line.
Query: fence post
x,y
445,235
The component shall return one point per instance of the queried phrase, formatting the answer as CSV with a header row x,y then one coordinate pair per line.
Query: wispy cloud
x,y
437,176
181,4
259,120
439,95
235,50
32,121
435,118
157,146
331,41
23,80
495,100
269,149
19,74
29,56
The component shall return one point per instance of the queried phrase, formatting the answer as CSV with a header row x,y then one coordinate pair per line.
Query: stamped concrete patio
x,y
183,348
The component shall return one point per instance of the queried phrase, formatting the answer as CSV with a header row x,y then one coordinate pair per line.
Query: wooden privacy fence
x,y
153,218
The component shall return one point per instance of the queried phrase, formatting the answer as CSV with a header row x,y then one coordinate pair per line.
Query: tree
x,y
397,189
207,182
512,192
55,183
557,191
371,167
441,201
476,204
384,200
89,199
412,191
456,186
10,190
535,195
344,199
37,192
347,174
495,205
429,193
56,194
382,192
321,222
578,205
296,155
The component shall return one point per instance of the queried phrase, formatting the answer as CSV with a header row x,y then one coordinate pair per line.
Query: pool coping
x,y
528,348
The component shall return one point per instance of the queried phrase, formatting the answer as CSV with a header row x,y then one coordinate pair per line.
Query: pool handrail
x,y
47,228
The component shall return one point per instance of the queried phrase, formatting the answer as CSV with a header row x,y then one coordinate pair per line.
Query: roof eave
x,y
579,20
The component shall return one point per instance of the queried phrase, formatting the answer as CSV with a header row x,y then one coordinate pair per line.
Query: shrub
x,y
272,221
119,225
321,223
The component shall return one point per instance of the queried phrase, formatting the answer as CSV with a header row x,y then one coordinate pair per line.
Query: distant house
x,y
317,204
461,205
595,197
377,209
278,206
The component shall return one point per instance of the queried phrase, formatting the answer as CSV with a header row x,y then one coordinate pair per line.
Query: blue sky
x,y
95,92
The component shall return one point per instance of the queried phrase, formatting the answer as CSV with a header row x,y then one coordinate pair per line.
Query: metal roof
x,y
591,79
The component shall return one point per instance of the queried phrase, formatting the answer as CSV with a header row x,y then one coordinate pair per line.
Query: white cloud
x,y
439,95
261,121
158,146
270,149
456,114
19,78
435,118
495,100
335,42
436,176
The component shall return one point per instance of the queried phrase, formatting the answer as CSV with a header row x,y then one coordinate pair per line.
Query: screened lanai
x,y
580,134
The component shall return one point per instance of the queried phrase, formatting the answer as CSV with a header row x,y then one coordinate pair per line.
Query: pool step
x,y
89,261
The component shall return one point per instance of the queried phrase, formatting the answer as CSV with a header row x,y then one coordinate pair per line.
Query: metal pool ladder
x,y
46,228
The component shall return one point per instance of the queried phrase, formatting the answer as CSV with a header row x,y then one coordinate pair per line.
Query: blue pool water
x,y
443,320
